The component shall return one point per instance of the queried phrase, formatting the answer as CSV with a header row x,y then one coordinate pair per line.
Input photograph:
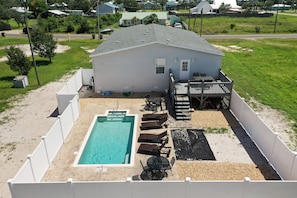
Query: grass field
x,y
242,25
266,72
64,63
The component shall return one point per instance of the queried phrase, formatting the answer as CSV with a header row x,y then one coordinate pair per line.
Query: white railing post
x,y
10,185
46,151
188,183
292,165
69,183
31,166
61,127
246,182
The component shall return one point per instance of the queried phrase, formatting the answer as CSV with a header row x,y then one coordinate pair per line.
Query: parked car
x,y
178,25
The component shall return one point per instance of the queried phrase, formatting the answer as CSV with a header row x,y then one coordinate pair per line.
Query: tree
x,y
224,8
18,61
43,43
153,18
38,7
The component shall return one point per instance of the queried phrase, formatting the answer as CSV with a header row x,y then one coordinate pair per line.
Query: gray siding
x,y
134,69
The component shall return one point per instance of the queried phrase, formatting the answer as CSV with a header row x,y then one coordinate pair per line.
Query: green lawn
x,y
242,25
267,73
73,59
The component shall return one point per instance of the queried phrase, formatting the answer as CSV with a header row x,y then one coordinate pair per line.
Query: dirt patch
x,y
233,48
26,49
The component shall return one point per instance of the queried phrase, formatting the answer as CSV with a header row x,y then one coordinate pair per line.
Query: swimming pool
x,y
109,140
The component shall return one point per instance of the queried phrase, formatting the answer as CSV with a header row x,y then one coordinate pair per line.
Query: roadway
x,y
221,36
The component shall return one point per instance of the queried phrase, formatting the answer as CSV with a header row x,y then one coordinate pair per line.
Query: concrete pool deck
x,y
236,156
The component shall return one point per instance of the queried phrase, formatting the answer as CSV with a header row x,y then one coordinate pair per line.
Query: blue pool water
x,y
110,141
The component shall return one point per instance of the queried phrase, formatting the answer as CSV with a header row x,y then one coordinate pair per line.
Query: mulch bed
x,y
191,144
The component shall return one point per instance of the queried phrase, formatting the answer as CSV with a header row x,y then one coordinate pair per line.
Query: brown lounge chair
x,y
153,138
153,149
154,116
152,125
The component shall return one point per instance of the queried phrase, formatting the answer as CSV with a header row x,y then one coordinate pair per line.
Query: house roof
x,y
111,5
217,3
141,35
142,15
57,12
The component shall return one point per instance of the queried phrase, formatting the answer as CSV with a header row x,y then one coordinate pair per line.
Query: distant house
x,y
108,8
134,18
56,13
280,7
140,58
232,3
203,6
170,5
148,5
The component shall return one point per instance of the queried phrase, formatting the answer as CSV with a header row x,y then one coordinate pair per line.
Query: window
x,y
185,66
160,65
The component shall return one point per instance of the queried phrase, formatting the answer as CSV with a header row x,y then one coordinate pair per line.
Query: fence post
x,y
273,145
241,106
10,185
129,183
246,182
61,127
69,183
44,142
31,166
292,165
188,183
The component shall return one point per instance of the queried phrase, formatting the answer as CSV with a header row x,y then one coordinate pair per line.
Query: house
x,y
139,58
108,8
232,3
148,5
55,13
134,18
203,6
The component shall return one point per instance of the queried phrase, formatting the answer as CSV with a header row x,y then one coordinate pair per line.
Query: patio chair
x,y
153,138
169,167
153,149
153,125
154,116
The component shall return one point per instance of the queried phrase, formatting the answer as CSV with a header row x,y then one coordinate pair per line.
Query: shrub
x,y
257,29
70,28
4,26
84,27
232,26
18,61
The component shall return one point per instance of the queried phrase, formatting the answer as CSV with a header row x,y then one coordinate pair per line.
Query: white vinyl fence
x,y
26,183
277,153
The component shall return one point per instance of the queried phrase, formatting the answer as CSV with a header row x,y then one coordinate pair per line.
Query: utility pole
x,y
98,20
30,42
201,22
276,18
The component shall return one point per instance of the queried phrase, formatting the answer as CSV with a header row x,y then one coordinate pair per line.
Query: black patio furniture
x,y
158,166
153,138
203,78
152,103
154,116
154,149
153,125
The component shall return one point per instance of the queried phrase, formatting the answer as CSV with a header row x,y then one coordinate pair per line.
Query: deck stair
x,y
182,107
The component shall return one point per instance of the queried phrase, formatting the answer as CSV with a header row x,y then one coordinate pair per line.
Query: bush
x,y
18,61
69,28
84,27
257,29
232,26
